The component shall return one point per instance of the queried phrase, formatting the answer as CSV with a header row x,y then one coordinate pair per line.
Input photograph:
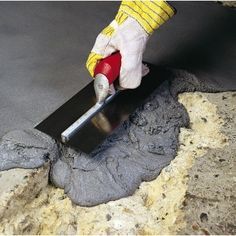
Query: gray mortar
x,y
136,152
26,149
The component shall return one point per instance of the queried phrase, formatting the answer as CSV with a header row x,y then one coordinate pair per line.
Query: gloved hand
x,y
129,33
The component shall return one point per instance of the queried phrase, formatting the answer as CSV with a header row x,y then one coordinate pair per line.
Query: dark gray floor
x,y
44,45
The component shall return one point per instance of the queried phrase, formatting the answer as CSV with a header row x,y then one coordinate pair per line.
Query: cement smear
x,y
136,152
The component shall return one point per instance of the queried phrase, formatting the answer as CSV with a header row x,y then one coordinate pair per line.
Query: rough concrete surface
x,y
161,206
210,201
19,187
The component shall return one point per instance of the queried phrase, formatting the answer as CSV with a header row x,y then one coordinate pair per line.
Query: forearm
x,y
150,14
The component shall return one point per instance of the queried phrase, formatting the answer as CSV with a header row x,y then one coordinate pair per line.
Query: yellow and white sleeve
x,y
149,14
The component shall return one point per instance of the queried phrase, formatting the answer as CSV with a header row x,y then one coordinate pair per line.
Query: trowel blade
x,y
103,124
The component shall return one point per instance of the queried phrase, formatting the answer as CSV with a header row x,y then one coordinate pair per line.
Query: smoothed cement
x,y
136,152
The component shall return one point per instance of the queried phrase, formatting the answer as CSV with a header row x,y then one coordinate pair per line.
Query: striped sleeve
x,y
150,14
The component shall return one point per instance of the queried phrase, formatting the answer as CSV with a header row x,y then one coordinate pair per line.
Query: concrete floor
x,y
44,46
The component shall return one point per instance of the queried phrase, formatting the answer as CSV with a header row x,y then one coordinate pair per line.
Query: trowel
x,y
93,114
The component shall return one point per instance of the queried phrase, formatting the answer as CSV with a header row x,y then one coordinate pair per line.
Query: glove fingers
x,y
145,70
103,45
101,49
112,89
131,70
92,60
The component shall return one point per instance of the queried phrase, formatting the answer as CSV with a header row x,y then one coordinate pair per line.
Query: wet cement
x,y
136,152
26,149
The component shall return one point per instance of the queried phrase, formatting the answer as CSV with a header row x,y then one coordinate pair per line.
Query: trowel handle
x,y
110,67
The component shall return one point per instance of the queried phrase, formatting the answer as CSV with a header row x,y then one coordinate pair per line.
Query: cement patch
x,y
136,152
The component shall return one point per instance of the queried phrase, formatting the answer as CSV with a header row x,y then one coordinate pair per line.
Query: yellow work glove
x,y
128,33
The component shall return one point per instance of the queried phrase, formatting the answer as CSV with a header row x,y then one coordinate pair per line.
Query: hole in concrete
x,y
203,217
185,203
108,217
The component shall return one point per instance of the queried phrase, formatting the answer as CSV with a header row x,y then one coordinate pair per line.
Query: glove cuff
x,y
149,14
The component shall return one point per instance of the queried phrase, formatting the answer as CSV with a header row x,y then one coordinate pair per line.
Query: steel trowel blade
x,y
103,124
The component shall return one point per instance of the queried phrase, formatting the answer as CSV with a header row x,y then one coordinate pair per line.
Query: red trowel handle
x,y
110,67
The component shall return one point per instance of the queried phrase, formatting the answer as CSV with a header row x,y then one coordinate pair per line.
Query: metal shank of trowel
x,y
109,67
